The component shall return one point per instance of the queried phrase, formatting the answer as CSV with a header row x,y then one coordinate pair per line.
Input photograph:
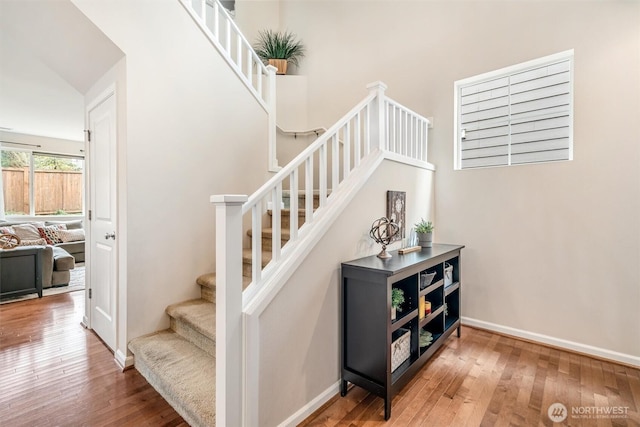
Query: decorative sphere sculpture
x,y
383,230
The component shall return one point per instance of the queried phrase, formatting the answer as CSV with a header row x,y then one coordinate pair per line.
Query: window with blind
x,y
516,115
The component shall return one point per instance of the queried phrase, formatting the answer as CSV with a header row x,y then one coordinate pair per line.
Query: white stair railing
x,y
377,127
406,131
214,21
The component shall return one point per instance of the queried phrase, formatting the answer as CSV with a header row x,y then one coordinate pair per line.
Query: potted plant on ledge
x,y
425,233
278,48
397,299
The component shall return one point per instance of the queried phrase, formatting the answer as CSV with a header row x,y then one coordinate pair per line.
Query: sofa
x,y
55,265
74,243
61,245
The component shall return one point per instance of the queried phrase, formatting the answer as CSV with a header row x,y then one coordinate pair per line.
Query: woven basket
x,y
400,349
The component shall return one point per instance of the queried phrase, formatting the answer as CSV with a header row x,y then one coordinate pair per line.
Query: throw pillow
x,y
50,234
7,230
71,235
26,231
67,225
35,242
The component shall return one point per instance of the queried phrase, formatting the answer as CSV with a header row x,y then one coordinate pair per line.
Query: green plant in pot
x,y
278,48
424,229
397,299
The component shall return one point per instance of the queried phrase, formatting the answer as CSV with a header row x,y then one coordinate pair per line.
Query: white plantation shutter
x,y
522,114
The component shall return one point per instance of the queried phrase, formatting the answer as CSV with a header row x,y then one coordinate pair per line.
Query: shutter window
x,y
522,114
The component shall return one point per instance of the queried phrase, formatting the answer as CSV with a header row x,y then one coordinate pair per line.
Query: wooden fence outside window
x,y
55,191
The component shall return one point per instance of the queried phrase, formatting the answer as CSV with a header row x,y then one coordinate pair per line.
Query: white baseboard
x,y
123,361
308,409
555,342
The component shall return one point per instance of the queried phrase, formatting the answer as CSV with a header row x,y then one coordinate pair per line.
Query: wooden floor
x,y
484,379
53,372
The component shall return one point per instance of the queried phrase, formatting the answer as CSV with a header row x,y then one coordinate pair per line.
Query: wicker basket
x,y
400,349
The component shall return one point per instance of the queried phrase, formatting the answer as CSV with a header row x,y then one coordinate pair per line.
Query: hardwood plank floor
x,y
485,379
53,372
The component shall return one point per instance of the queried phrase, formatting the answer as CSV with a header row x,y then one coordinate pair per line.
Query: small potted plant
x,y
425,233
278,48
397,299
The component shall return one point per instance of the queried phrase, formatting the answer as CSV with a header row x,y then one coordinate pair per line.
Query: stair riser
x,y
208,294
301,201
267,242
193,336
285,220
246,268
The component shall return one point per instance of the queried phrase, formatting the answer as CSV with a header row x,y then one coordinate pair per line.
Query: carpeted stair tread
x,y
268,232
209,281
199,314
181,372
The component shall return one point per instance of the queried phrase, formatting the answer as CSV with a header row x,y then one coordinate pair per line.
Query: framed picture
x,y
396,211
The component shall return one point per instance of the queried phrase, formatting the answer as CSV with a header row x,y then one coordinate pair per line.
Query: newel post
x,y
271,101
229,328
378,116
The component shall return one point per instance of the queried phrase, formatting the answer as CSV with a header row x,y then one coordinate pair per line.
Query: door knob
x,y
108,236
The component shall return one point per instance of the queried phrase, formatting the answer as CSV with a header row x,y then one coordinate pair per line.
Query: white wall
x,y
36,100
185,140
552,249
299,331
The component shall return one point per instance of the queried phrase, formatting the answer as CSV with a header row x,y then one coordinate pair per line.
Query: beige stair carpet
x,y
182,373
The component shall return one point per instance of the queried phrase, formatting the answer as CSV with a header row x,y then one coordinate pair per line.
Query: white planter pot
x,y
425,240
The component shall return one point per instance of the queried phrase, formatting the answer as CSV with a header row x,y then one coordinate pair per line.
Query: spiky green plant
x,y
424,226
279,45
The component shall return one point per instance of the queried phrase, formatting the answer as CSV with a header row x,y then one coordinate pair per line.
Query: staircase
x,y
185,363
180,362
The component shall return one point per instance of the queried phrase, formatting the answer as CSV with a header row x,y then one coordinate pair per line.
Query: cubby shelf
x,y
368,332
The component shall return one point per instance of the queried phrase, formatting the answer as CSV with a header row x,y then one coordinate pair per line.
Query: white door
x,y
103,256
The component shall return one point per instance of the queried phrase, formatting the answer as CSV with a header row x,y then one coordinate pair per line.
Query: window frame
x,y
567,55
32,190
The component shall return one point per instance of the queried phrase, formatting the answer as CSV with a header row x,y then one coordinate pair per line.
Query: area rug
x,y
76,283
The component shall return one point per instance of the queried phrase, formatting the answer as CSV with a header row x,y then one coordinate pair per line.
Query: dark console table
x,y
21,272
370,337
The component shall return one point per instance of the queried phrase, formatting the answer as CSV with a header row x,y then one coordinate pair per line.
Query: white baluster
x,y
393,133
239,51
346,149
276,235
357,141
229,329
203,10
367,129
411,135
250,66
227,36
256,243
259,77
335,162
426,141
322,174
216,21
293,205
405,132
308,189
